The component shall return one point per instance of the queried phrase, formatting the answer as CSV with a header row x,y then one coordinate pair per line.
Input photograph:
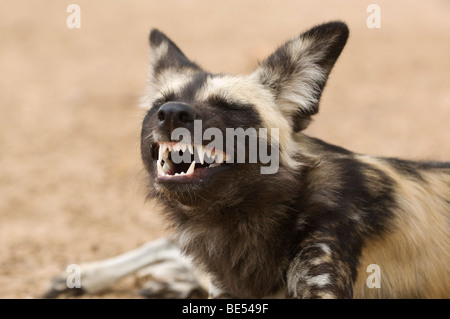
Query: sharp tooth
x,y
161,169
183,147
160,152
191,168
209,158
166,154
176,147
219,157
191,149
158,166
200,153
166,168
208,152
163,149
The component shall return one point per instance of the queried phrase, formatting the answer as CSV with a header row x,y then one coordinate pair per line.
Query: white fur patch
x,y
319,280
326,249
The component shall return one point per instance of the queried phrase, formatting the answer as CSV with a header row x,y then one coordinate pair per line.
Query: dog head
x,y
185,145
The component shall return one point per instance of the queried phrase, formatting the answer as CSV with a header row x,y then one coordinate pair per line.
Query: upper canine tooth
x,y
166,153
158,166
219,157
200,152
208,152
191,148
160,153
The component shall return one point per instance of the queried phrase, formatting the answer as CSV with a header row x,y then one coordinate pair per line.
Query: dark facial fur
x,y
311,229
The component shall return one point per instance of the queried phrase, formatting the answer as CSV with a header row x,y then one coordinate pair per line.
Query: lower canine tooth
x,y
191,168
158,166
166,168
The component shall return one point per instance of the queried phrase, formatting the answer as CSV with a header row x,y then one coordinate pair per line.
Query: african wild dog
x,y
309,230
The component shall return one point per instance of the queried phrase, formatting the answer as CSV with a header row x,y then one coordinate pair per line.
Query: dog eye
x,y
225,104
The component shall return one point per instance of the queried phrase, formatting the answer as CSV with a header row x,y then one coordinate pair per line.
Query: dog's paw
x,y
58,287
169,280
76,280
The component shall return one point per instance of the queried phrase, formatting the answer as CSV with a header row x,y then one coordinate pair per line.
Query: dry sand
x,y
71,179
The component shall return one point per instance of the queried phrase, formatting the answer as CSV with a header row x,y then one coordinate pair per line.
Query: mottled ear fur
x,y
296,72
167,64
167,56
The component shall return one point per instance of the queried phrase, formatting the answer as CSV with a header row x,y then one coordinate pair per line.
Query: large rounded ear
x,y
167,64
297,72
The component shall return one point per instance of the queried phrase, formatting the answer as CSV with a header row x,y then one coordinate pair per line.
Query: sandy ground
x,y
71,179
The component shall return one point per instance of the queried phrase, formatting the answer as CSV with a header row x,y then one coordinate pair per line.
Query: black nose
x,y
175,114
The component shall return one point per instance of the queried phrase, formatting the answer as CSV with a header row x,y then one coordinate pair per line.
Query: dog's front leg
x,y
100,275
319,271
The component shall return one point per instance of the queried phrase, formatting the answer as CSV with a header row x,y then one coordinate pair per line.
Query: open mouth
x,y
179,162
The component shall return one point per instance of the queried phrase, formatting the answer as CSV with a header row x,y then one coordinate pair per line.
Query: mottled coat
x,y
311,229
